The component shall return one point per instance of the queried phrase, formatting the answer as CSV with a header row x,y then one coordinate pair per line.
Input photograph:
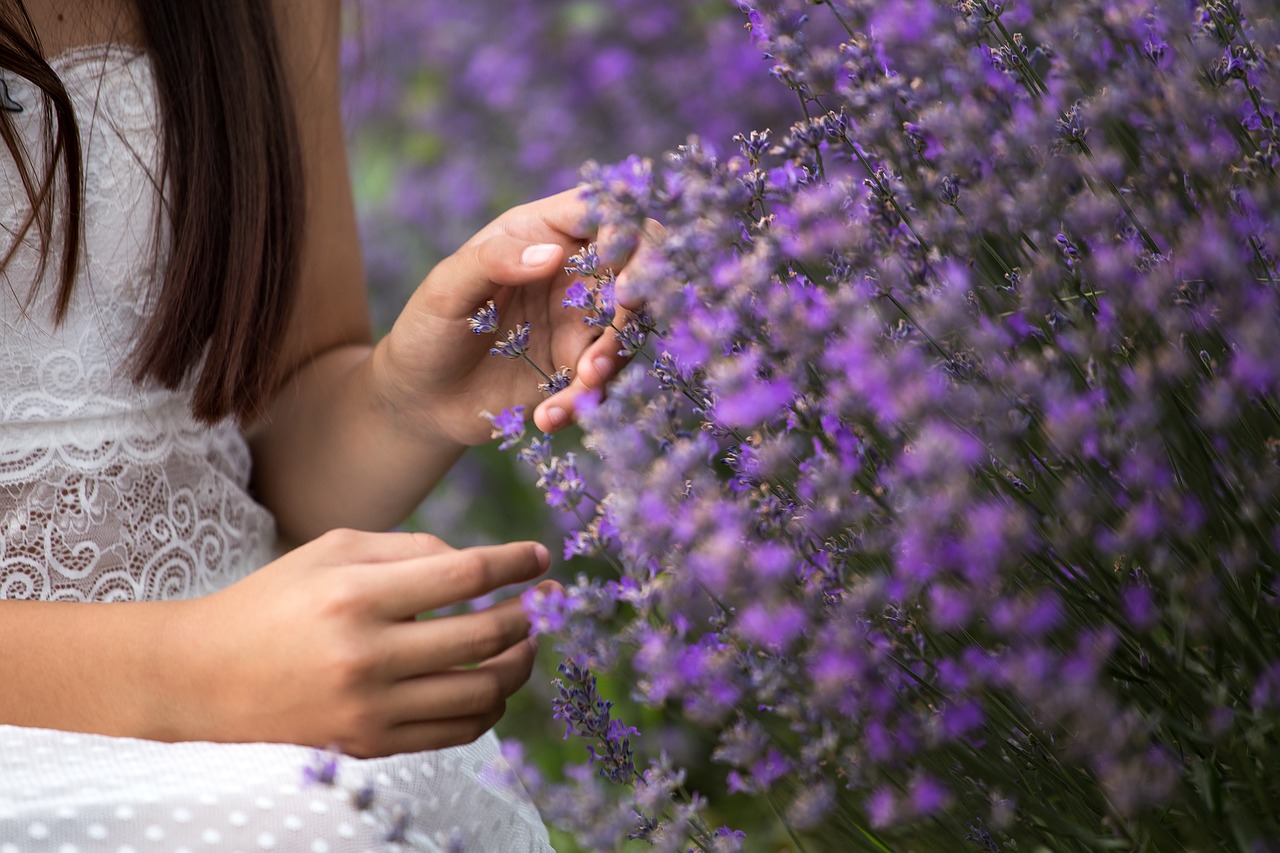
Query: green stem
x,y
530,362
768,796
1031,75
1152,245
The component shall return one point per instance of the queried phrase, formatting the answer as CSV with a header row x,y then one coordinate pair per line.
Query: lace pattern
x,y
109,490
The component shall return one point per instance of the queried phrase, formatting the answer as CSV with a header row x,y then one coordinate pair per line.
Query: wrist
x,y
412,413
175,702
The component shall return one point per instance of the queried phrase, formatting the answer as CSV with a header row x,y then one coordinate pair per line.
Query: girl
x,y
186,375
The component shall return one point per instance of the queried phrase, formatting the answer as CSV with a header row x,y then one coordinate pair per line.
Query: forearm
x,y
101,668
334,451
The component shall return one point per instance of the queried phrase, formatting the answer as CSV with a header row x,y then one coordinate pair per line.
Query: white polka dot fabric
x,y
62,792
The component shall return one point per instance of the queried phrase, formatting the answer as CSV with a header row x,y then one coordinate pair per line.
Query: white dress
x,y
109,491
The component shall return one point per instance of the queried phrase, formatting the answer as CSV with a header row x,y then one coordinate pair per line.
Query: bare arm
x,y
319,647
86,667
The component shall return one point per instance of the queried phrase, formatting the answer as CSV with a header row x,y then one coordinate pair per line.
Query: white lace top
x,y
108,490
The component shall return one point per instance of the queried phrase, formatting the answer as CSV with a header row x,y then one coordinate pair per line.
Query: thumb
x,y
469,276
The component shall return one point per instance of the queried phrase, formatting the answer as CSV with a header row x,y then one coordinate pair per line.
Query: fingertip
x,y
603,368
552,586
551,418
543,556
623,292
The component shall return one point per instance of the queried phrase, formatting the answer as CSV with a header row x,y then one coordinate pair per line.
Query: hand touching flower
x,y
506,280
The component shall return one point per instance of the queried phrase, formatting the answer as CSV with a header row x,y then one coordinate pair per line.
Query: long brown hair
x,y
234,194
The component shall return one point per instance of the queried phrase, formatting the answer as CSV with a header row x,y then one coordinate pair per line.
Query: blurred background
x,y
457,111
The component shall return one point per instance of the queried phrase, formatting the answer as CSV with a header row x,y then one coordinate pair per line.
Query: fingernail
x,y
558,417
604,367
538,254
543,555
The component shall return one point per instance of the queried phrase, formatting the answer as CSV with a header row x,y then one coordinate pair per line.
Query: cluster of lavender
x,y
945,490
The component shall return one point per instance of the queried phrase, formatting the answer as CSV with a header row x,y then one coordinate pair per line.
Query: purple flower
x,y
927,796
516,344
561,482
584,713
323,770
485,321
508,425
881,808
557,382
577,296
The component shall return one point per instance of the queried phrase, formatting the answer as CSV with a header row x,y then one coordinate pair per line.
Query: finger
x,y
563,215
598,364
414,586
434,734
462,282
358,546
434,645
602,359
644,257
462,693
616,243
525,245
561,409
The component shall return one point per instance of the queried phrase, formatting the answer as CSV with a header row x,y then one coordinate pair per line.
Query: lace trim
x,y
109,490
82,53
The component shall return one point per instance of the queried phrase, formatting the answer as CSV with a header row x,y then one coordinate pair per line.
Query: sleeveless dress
x,y
109,491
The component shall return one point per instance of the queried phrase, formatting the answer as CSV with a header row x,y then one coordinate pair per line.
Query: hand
x,y
439,373
322,646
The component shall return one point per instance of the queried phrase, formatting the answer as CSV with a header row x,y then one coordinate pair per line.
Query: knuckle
x,y
340,540
350,666
526,666
490,720
361,746
427,542
473,572
344,597
456,737
484,639
489,692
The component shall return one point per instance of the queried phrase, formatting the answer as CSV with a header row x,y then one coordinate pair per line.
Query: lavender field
x,y
940,506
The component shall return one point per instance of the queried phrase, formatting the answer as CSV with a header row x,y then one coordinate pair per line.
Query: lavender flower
x,y
945,495
485,321
557,382
586,714
594,294
508,425
323,770
516,344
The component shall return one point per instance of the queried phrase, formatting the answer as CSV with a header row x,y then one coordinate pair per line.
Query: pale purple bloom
x,y
508,425
516,344
485,321
557,382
